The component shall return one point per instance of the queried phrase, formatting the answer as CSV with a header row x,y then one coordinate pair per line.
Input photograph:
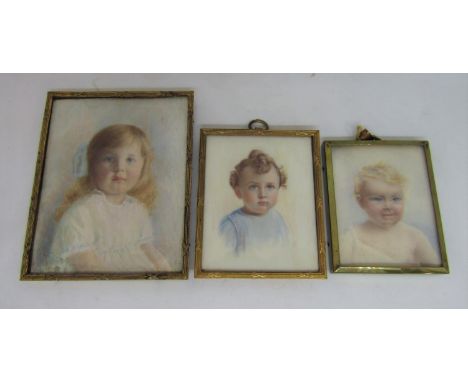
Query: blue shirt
x,y
242,231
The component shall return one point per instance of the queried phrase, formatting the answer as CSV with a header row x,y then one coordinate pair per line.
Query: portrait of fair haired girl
x,y
103,223
384,238
256,181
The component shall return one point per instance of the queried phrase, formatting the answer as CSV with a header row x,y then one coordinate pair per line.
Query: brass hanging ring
x,y
258,124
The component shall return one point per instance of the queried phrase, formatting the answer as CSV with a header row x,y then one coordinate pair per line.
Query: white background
x,y
244,36
431,107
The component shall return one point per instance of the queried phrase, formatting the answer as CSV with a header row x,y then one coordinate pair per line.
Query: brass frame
x,y
26,273
333,223
320,226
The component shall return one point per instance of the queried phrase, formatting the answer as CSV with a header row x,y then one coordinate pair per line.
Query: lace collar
x,y
128,199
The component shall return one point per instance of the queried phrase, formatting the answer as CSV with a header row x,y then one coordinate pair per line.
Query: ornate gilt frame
x,y
26,273
332,210
314,136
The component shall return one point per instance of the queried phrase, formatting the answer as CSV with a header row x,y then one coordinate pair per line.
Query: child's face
x,y
383,202
259,192
117,170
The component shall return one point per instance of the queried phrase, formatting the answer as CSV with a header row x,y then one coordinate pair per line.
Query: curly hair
x,y
380,171
261,163
112,137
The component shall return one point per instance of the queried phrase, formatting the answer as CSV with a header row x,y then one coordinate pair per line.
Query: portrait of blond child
x,y
104,221
384,239
256,181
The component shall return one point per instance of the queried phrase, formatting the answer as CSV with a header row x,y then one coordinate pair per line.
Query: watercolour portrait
x,y
384,212
151,129
272,233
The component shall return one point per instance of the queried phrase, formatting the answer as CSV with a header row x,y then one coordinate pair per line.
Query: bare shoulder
x,y
413,232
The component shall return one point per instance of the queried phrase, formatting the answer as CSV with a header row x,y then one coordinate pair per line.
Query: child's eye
x,y
397,198
253,187
271,186
376,198
108,158
130,160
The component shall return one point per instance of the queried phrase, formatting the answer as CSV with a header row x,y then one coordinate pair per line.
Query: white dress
x,y
113,232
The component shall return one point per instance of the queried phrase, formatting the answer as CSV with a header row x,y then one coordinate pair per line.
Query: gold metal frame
x,y
337,267
26,273
320,227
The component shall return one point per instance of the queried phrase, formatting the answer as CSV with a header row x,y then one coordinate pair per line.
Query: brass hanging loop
x,y
258,124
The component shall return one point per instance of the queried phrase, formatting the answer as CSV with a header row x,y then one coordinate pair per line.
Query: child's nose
x,y
261,192
119,165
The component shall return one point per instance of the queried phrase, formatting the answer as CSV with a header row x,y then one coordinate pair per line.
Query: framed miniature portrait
x,y
383,208
111,192
260,210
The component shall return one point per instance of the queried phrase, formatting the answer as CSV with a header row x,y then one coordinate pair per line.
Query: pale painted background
x,y
409,161
432,107
75,122
296,203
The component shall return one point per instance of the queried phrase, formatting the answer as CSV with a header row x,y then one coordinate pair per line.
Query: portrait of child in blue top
x,y
256,181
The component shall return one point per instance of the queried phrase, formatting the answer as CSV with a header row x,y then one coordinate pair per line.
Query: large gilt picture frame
x,y
260,205
383,209
111,194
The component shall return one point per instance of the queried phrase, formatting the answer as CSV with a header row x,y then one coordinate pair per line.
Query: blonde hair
x,y
112,137
261,163
380,171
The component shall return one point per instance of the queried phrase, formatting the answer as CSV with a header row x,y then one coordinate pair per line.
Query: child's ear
x,y
237,192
